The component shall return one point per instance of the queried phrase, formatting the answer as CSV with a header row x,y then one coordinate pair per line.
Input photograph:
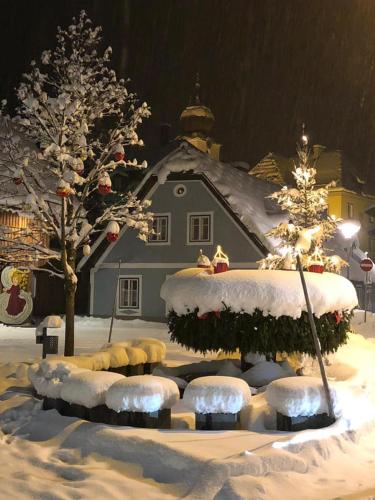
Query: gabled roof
x,y
330,166
274,168
243,196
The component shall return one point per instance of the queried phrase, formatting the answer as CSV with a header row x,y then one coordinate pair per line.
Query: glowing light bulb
x,y
349,228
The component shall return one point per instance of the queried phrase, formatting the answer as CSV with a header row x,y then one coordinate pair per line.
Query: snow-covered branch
x,y
73,125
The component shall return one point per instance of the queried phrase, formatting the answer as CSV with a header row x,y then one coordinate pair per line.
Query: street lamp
x,y
349,228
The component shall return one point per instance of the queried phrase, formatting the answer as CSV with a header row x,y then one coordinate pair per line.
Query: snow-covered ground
x,y
46,456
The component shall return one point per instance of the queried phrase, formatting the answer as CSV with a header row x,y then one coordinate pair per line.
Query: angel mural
x,y
15,302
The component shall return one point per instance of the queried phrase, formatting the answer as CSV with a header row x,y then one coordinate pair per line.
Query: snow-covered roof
x,y
246,195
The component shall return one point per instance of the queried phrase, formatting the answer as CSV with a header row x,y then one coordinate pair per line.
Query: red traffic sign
x,y
366,265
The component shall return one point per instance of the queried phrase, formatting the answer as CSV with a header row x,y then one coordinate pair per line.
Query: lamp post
x,y
349,229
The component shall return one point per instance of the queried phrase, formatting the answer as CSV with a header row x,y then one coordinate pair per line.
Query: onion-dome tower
x,y
196,122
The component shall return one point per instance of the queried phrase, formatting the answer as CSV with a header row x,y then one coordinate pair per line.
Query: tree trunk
x,y
70,294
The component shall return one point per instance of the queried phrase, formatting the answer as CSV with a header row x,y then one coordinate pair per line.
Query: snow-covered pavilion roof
x,y
274,292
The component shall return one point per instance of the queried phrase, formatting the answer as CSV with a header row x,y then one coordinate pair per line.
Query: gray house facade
x,y
198,203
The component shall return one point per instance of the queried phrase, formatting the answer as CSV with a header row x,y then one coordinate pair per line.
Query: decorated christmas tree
x,y
309,226
74,119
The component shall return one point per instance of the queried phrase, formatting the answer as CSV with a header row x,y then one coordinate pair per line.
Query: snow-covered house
x,y
199,202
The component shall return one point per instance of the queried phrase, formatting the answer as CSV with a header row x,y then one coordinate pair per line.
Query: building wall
x,y
15,228
152,306
338,200
197,199
155,262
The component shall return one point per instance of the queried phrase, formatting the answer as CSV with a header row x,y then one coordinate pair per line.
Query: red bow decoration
x,y
338,317
205,315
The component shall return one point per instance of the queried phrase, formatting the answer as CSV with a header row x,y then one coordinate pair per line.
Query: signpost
x,y
366,266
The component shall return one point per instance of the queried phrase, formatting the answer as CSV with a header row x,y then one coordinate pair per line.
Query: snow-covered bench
x,y
85,392
143,401
217,401
132,357
142,354
300,403
47,379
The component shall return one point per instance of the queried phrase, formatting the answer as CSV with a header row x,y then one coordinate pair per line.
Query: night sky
x,y
265,65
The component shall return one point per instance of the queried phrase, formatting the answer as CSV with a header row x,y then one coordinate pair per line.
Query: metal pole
x,y
114,302
348,257
316,340
44,337
365,288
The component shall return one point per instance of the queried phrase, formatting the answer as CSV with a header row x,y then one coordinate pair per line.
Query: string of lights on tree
x,y
309,226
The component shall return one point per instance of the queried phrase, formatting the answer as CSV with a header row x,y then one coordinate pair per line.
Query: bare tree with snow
x,y
81,117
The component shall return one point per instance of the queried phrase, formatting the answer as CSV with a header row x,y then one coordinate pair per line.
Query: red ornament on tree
x,y
17,177
104,189
111,237
112,232
63,189
119,152
105,184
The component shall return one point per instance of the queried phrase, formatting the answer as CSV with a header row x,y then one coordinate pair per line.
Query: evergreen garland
x,y
227,330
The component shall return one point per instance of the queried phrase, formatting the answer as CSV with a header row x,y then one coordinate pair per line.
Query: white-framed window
x,y
129,297
161,225
199,228
350,210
